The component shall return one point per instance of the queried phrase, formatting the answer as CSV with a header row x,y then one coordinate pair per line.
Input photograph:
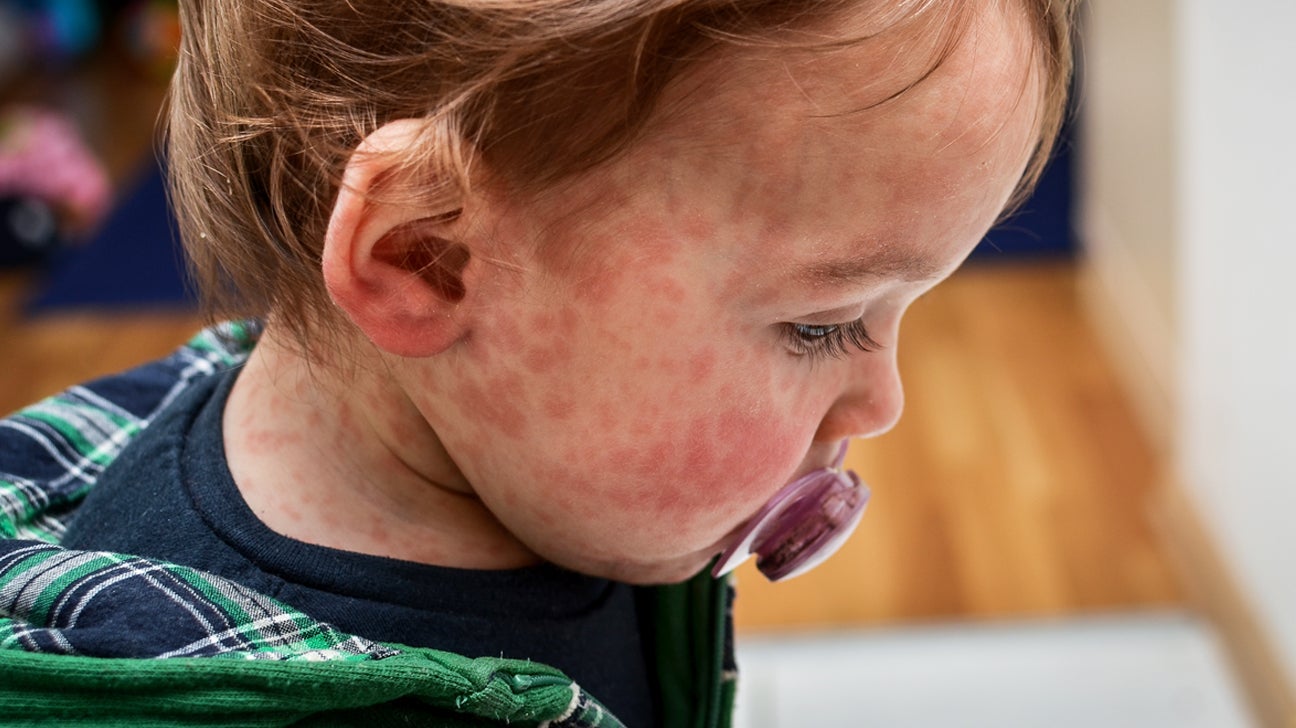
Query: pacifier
x,y
803,524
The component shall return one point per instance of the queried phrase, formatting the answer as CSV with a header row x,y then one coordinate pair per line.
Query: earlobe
x,y
392,264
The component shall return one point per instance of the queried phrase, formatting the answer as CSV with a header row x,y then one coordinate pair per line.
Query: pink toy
x,y
42,155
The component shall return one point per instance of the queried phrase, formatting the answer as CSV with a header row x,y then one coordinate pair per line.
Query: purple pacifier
x,y
803,524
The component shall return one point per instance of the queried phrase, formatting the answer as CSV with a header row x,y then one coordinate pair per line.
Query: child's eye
x,y
831,340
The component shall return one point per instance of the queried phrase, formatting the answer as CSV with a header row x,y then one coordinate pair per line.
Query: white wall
x,y
1237,294
1188,209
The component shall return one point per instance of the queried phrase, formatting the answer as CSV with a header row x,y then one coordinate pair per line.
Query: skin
x,y
621,388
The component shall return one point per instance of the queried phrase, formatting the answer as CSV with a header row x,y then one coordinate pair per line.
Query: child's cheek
x,y
672,444
693,458
712,468
678,489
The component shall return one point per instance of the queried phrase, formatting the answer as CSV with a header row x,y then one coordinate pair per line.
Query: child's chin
x,y
648,574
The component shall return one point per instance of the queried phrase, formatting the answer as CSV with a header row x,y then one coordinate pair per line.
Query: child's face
x,y
666,360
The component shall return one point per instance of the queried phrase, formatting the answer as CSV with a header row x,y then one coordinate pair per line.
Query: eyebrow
x,y
880,264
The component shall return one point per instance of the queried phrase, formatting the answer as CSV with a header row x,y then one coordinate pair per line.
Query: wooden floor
x,y
1016,485
44,355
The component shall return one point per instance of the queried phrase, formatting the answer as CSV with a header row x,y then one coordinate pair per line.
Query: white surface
x,y
1238,293
1145,671
1196,201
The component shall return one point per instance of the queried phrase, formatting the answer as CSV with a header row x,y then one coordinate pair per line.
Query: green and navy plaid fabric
x,y
96,614
88,603
52,452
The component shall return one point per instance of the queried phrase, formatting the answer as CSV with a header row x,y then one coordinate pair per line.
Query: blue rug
x,y
131,262
1043,226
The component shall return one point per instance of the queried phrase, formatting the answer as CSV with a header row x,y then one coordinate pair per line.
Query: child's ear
x,y
397,268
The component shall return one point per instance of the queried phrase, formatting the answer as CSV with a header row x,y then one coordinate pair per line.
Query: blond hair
x,y
270,98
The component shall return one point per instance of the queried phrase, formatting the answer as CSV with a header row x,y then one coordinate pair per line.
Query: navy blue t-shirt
x,y
170,496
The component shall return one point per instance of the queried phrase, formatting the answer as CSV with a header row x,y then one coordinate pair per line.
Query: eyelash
x,y
834,341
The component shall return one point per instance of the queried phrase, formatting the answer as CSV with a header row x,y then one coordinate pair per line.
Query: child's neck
x,y
348,462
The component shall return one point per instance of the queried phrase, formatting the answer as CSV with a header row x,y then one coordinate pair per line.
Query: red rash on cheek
x,y
508,330
703,364
542,323
546,325
525,356
551,337
559,408
667,289
495,405
541,359
599,288
701,469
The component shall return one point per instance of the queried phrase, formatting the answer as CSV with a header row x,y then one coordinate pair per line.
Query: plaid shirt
x,y
74,625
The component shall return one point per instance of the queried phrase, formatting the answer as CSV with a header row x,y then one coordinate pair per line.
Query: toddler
x,y
563,308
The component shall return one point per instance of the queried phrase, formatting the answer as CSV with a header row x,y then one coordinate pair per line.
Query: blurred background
x,y
1085,517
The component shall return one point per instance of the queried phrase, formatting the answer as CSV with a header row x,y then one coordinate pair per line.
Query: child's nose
x,y
870,402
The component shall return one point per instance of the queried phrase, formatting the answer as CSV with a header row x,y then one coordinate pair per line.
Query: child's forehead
x,y
938,65
767,139
925,89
